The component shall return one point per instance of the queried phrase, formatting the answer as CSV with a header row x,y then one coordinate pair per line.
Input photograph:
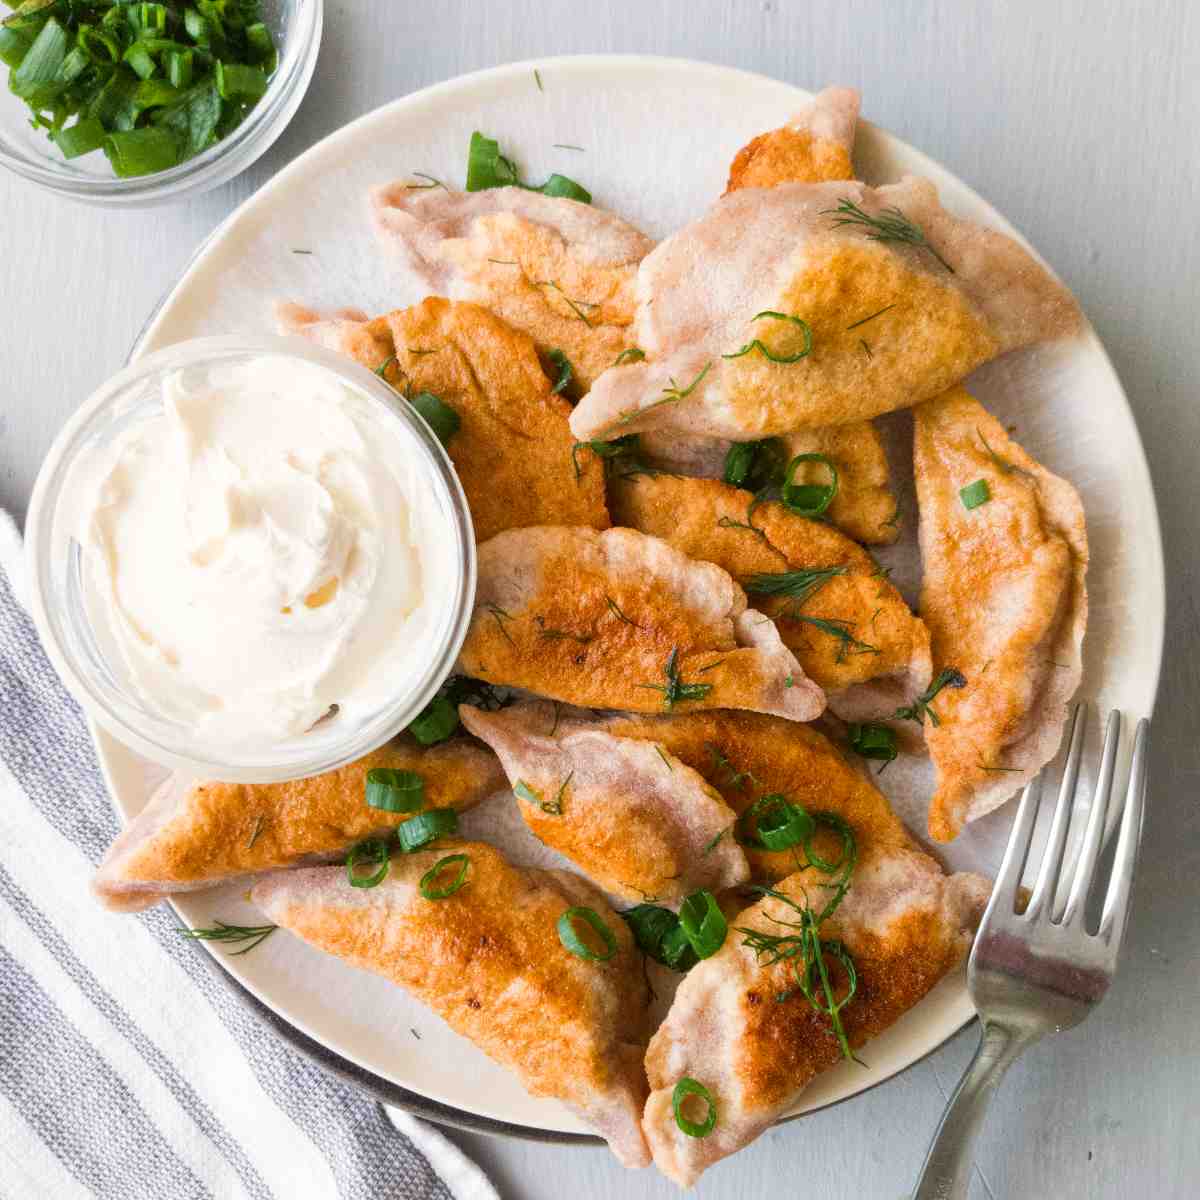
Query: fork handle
x,y
947,1169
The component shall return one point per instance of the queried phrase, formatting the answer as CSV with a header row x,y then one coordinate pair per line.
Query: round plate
x,y
657,136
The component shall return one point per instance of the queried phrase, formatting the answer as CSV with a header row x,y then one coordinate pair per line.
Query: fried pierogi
x,y
833,606
746,756
816,304
488,959
621,620
513,451
814,145
197,835
637,821
1005,598
558,270
903,924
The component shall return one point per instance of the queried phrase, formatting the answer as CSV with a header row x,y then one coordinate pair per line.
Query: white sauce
x,y
259,552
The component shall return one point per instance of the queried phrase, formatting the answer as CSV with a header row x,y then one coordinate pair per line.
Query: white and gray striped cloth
x,y
127,1070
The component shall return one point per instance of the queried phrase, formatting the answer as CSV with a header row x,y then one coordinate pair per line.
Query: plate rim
x,y
293,1031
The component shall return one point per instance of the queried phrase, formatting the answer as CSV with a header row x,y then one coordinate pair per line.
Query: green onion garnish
x,y
765,351
436,721
488,168
684,1089
566,372
678,953
975,494
738,461
873,741
395,791
425,828
438,415
372,852
659,934
179,78
809,499
569,935
773,823
429,886
701,918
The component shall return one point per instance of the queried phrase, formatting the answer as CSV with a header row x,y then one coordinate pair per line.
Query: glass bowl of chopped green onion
x,y
133,104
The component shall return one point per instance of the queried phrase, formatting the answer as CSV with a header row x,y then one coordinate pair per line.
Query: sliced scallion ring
x,y
395,791
425,828
436,722
809,499
571,939
704,923
773,823
678,953
429,886
873,741
372,852
738,462
684,1089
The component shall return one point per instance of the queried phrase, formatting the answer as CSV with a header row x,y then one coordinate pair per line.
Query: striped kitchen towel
x,y
127,1069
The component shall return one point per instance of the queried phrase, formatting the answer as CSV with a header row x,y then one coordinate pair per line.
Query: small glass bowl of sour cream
x,y
249,559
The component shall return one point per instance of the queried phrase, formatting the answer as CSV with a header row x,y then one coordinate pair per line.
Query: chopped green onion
x,y
678,953
140,59
260,43
154,93
14,45
488,168
738,462
809,499
195,117
565,371
142,151
773,823
180,64
115,104
975,494
438,415
436,722
372,852
36,79
429,886
238,82
81,138
689,1087
701,918
572,941
395,791
198,29
101,48
73,66
425,828
649,924
873,741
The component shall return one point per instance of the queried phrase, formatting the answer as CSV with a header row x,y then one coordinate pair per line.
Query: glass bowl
x,y
89,661
296,27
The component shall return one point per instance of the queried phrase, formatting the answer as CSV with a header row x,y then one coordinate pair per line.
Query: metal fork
x,y
1034,972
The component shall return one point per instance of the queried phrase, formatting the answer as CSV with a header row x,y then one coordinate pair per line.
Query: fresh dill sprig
x,y
633,354
500,616
537,78
917,711
872,317
555,807
432,183
670,394
838,628
615,609
258,827
561,635
675,690
891,225
730,523
254,935
725,774
665,759
568,146
713,843
799,585
576,306
863,343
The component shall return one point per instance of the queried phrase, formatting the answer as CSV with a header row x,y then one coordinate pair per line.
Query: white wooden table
x,y
1082,124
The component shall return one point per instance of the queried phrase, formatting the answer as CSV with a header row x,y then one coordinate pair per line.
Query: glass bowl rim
x,y
253,137
40,548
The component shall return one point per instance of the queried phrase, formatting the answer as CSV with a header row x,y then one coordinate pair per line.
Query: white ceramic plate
x,y
657,137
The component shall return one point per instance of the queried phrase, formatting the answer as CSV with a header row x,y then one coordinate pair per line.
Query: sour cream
x,y
260,556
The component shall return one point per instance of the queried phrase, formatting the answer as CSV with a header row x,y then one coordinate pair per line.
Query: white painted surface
x,y
1077,122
